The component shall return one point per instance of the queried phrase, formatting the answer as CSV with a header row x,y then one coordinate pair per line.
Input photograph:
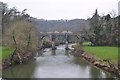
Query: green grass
x,y
5,52
103,52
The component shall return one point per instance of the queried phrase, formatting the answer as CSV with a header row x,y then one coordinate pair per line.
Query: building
x,y
119,8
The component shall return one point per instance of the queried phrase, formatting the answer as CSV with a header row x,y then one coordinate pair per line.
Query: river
x,y
55,64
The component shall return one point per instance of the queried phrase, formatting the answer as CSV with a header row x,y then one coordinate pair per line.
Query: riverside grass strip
x,y
105,63
5,52
103,52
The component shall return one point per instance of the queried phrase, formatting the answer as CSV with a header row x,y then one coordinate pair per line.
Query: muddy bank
x,y
102,64
17,59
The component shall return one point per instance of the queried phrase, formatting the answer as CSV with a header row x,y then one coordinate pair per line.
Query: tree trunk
x,y
29,37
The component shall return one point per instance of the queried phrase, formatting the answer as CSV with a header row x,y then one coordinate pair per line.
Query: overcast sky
x,y
64,9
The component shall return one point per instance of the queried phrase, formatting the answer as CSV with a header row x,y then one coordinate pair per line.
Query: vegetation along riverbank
x,y
97,38
100,45
104,57
19,36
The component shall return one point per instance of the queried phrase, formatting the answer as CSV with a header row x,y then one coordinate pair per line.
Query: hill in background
x,y
60,25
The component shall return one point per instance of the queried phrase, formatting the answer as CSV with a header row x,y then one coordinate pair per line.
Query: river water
x,y
55,64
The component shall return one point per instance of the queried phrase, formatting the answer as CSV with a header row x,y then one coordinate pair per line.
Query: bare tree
x,y
21,35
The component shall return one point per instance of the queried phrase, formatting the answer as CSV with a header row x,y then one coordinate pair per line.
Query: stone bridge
x,y
64,37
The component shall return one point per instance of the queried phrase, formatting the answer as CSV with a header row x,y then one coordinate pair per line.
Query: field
x,y
103,52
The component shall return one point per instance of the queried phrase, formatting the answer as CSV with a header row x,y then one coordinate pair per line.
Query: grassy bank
x,y
5,52
103,52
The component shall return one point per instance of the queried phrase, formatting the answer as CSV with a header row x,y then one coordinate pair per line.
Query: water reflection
x,y
39,53
67,52
81,62
95,73
55,64
19,71
53,53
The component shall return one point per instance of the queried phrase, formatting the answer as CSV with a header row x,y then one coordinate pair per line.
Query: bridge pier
x,y
66,46
67,40
53,46
53,52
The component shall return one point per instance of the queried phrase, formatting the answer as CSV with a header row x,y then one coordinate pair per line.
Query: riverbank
x,y
16,59
103,52
98,62
9,60
5,53
58,64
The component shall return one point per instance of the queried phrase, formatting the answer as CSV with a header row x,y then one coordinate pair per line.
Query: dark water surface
x,y
55,64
